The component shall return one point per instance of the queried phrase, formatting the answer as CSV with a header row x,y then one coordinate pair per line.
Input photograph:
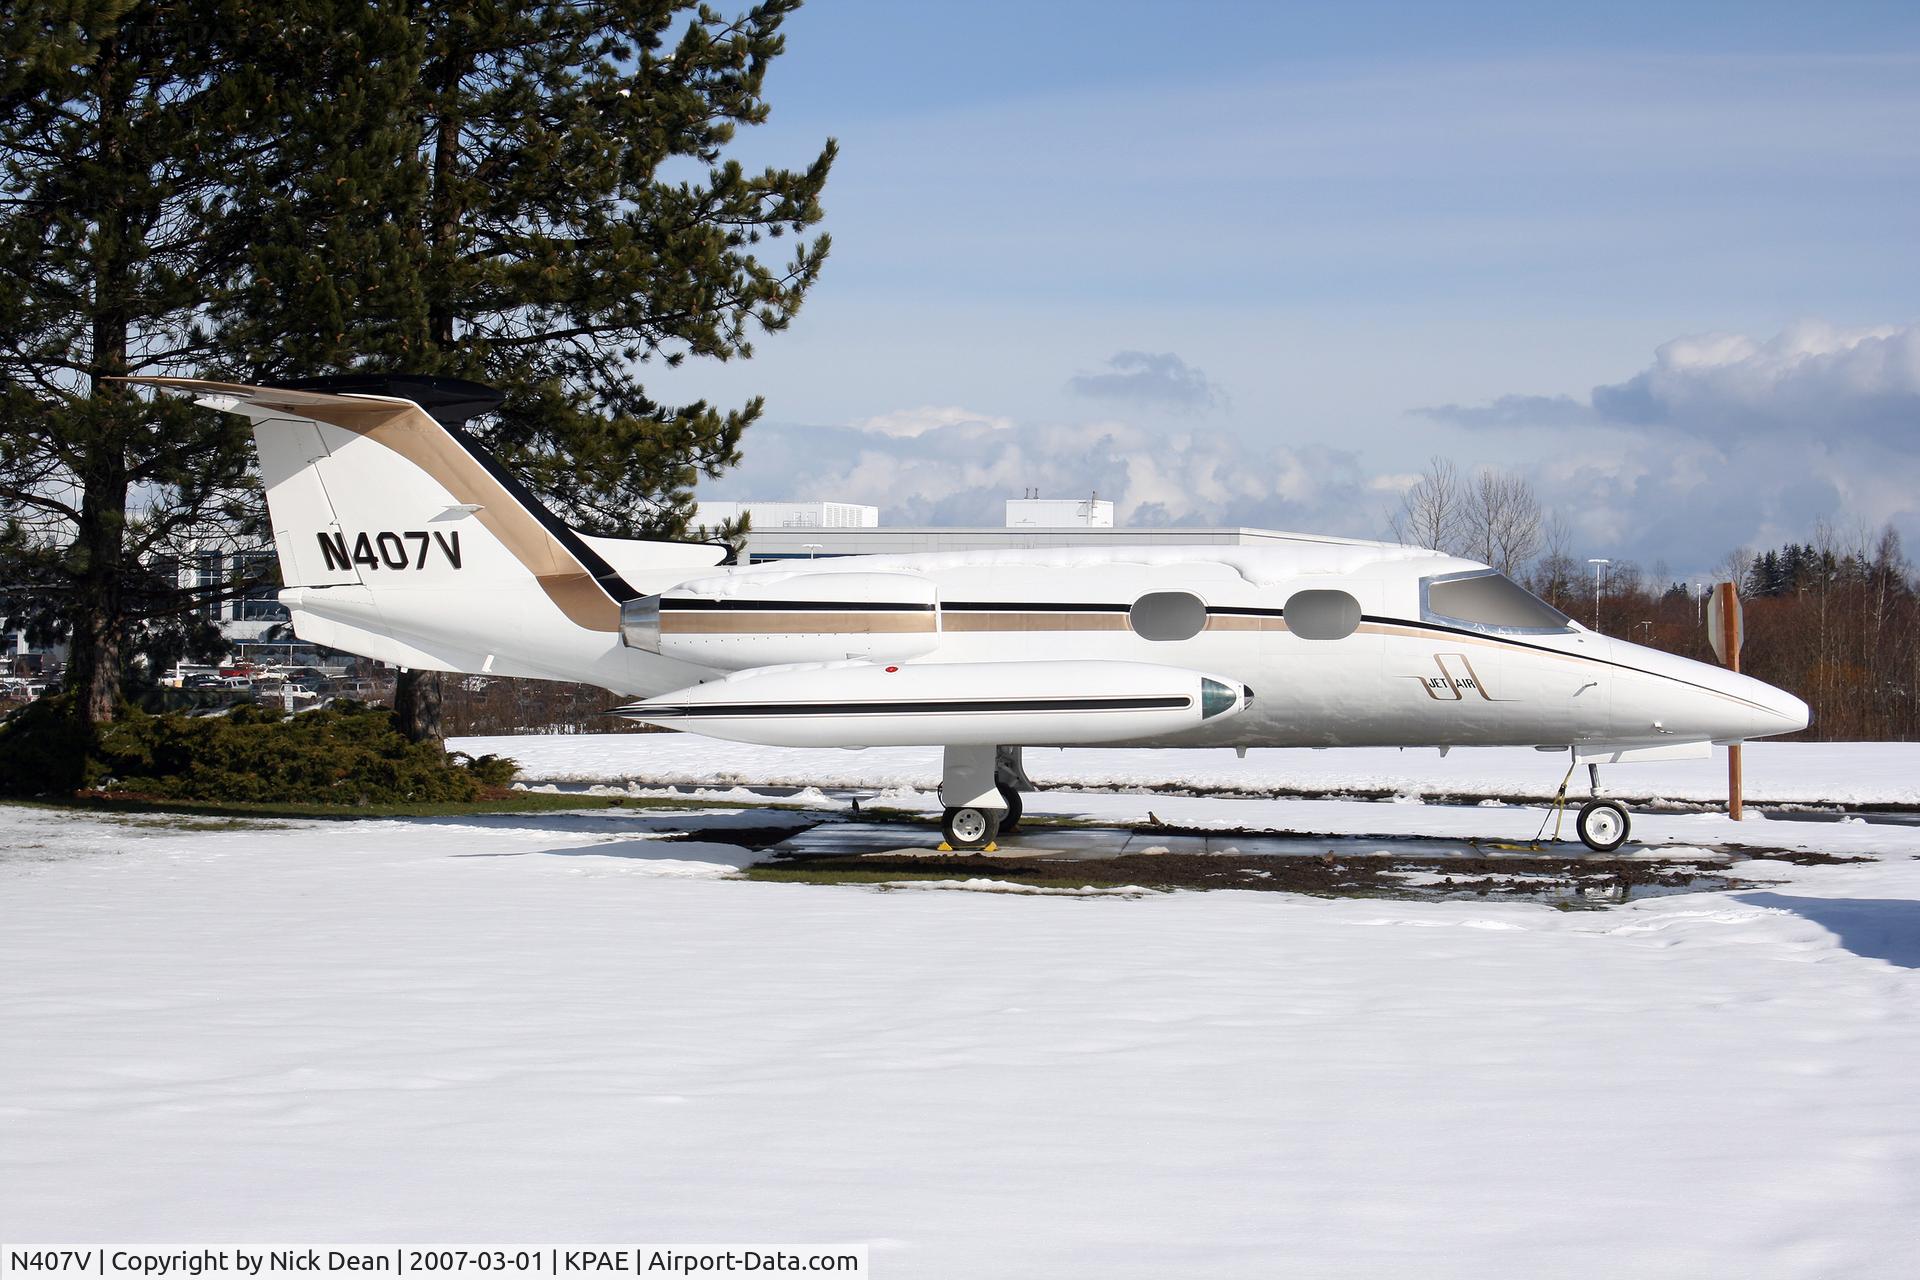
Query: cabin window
x,y
1167,615
1322,615
1489,600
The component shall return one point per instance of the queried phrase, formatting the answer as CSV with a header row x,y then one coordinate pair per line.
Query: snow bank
x,y
1781,772
535,1027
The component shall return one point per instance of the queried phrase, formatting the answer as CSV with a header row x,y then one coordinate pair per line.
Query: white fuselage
x,y
399,538
1400,673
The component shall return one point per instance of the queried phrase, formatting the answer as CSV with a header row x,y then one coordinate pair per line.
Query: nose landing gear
x,y
1602,824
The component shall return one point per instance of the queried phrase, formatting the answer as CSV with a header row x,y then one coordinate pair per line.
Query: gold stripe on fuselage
x,y
830,622
1013,620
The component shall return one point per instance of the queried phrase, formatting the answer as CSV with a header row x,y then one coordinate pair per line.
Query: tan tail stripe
x,y
415,436
412,433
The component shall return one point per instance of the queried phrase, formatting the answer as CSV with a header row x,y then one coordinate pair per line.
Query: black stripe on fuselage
x,y
1081,606
928,706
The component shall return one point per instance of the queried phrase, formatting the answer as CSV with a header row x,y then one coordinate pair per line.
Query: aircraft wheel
x,y
1602,825
970,828
1010,820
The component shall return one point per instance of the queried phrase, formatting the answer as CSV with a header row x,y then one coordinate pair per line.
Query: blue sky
x,y
1257,263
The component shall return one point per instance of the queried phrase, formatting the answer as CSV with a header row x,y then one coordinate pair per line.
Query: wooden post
x,y
1728,602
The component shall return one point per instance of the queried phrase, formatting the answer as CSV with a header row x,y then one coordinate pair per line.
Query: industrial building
x,y
788,515
1031,521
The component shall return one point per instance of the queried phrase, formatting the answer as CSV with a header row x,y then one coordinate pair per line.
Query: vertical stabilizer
x,y
401,539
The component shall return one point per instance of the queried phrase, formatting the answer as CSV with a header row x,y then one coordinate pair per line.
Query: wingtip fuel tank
x,y
874,704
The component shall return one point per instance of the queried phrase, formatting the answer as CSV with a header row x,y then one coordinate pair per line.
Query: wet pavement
x,y
1407,868
922,839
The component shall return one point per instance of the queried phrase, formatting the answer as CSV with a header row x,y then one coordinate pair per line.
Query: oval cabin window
x,y
1167,615
1322,615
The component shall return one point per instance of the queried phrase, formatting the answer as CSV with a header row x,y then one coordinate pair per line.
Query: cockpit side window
x,y
1490,601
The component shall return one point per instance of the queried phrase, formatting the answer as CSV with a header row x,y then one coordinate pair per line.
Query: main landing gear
x,y
1602,824
980,787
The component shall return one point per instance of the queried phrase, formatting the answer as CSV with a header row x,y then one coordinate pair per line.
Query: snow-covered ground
x,y
557,1027
1781,772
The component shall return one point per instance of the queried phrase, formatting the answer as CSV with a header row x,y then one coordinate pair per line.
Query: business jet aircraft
x,y
399,538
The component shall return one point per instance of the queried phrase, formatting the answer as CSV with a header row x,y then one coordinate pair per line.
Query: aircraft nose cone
x,y
1790,709
1665,695
1769,711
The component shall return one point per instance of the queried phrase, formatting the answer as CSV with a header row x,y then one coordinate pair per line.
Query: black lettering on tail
x,y
449,543
333,548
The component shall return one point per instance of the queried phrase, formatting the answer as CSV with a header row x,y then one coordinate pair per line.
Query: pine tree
x,y
120,123
530,240
1763,579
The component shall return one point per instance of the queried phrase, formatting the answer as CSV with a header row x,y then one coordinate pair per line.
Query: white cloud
x,y
1723,440
1394,482
1813,379
909,423
959,473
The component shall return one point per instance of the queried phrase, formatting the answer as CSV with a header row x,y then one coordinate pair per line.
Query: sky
x,y
1258,263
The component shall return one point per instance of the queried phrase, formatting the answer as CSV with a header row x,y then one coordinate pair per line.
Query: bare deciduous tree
x,y
1502,520
1557,577
1735,566
1430,511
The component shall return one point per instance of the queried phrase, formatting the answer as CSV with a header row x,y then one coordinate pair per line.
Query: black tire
x,y
969,828
1603,825
1010,820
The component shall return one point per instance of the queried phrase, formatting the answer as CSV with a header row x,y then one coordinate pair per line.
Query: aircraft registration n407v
x,y
400,539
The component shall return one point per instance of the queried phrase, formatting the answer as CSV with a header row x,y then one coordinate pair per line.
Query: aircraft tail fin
x,y
383,515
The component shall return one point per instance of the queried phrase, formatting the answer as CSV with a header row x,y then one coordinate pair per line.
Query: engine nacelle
x,y
765,619
860,704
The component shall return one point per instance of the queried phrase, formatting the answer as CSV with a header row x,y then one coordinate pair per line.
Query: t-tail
x,y
401,539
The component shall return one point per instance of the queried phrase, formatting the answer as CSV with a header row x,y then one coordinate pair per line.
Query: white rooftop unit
x,y
1059,513
789,515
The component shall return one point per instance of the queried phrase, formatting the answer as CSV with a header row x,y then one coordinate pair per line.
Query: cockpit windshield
x,y
1489,600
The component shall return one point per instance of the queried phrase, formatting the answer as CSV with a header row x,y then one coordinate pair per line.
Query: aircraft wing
x,y
870,704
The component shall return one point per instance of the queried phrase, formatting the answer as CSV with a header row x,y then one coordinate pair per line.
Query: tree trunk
x,y
416,702
94,661
417,695
99,545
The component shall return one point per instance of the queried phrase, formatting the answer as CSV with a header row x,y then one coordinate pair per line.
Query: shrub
x,y
44,748
346,754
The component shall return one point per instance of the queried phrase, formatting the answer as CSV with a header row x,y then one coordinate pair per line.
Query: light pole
x,y
1598,565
